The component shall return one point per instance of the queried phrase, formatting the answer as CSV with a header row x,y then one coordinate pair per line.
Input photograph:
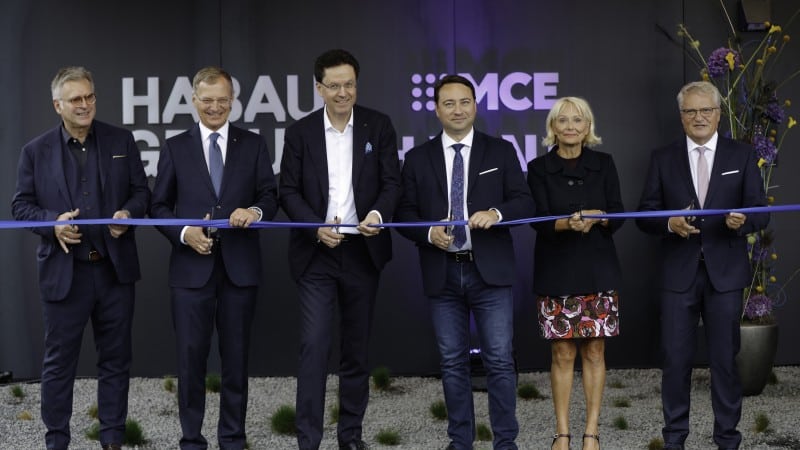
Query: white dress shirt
x,y
711,147
339,151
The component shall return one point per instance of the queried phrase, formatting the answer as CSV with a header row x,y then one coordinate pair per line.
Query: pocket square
x,y
730,172
488,171
118,156
368,148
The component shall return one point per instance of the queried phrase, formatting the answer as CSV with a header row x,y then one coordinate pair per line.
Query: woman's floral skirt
x,y
579,316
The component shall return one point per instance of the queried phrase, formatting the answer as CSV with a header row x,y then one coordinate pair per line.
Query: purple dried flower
x,y
719,63
758,253
765,148
774,112
758,306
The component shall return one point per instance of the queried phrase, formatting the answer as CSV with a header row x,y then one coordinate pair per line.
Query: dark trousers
x,y
95,294
195,314
721,313
343,278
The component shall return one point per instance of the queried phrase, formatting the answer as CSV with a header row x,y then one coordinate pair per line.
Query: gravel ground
x,y
404,409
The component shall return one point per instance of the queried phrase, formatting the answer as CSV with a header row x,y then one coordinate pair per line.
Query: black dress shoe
x,y
112,447
451,447
358,444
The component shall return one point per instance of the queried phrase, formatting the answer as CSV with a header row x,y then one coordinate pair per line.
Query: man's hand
x,y
330,236
67,234
441,237
118,230
680,226
371,219
735,220
242,217
196,238
483,220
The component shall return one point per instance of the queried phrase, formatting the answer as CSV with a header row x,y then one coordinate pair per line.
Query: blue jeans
x,y
493,309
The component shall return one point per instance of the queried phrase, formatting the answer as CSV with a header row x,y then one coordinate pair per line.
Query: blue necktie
x,y
457,197
215,164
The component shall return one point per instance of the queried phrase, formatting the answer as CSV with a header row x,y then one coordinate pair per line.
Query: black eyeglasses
x,y
692,113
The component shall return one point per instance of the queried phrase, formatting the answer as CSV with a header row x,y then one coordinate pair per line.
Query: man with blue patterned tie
x,y
463,174
218,171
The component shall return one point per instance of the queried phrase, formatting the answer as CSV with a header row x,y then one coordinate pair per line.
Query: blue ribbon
x,y
223,223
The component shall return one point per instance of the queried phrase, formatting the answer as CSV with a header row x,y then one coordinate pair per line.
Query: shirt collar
x,y
205,132
65,136
327,121
447,141
711,144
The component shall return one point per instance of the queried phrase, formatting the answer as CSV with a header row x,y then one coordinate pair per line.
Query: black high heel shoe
x,y
561,435
593,436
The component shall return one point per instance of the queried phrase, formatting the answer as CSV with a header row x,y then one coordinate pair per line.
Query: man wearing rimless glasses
x,y
217,171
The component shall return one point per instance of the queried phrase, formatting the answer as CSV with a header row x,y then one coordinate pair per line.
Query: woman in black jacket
x,y
576,269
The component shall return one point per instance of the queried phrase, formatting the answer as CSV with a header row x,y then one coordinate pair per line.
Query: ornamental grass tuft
x,y
283,420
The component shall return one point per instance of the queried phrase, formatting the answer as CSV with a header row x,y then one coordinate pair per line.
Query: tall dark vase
x,y
756,355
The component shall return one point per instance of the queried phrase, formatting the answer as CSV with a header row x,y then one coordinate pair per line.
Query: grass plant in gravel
x,y
483,433
438,410
620,423
25,415
169,384
388,436
93,432
381,378
621,402
213,382
528,391
282,421
92,412
655,444
134,434
616,384
17,392
334,413
761,423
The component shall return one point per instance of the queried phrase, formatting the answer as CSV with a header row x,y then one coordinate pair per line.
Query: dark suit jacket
x,y
184,190
567,262
304,180
42,194
424,198
735,182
